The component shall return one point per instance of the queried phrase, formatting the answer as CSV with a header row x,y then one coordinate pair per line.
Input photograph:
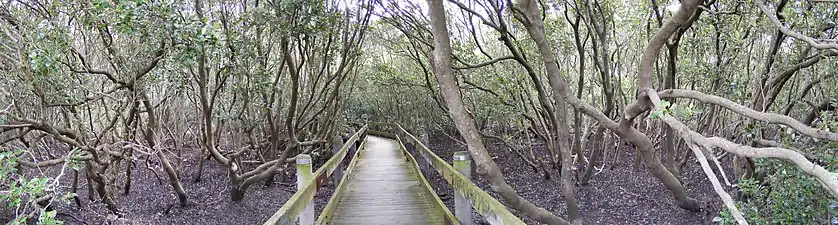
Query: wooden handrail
x,y
326,215
489,207
448,217
289,211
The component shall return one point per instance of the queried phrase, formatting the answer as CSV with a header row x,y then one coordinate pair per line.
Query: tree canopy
x,y
746,91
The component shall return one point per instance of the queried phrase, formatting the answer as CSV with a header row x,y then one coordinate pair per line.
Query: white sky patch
x,y
378,10
673,7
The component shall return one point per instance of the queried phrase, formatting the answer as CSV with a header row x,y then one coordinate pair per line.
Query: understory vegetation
x,y
93,92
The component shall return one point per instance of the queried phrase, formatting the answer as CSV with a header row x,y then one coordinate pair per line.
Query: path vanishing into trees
x,y
384,184
572,111
385,188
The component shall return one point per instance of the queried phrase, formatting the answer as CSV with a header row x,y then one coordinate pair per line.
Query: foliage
x,y
787,195
664,109
23,193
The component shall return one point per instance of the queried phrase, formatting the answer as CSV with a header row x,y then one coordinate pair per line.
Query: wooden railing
x,y
448,217
298,202
493,211
328,211
490,208
326,216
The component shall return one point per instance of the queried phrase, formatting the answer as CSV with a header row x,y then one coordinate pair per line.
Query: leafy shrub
x,y
22,193
784,194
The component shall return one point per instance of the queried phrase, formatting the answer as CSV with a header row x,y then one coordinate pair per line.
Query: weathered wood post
x,y
355,144
425,164
364,135
462,206
337,142
304,176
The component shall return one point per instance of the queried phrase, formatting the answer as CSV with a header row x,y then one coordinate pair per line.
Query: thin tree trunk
x,y
577,115
465,124
198,173
128,171
535,27
74,188
596,153
151,137
668,134
90,190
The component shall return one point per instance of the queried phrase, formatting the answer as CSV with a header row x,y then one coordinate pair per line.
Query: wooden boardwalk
x,y
384,189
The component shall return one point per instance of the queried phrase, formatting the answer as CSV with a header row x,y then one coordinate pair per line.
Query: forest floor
x,y
152,201
618,196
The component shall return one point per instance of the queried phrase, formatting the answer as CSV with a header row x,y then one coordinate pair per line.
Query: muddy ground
x,y
618,196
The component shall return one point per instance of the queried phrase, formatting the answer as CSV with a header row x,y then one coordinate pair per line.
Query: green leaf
x,y
665,104
655,114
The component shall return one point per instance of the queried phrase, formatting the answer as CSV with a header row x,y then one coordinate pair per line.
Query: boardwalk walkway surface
x,y
382,184
384,189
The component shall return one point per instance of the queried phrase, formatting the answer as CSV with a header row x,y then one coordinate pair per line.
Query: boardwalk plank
x,y
384,189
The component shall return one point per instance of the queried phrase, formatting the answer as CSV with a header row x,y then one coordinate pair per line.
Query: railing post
x,y
426,163
304,177
462,206
337,142
354,145
363,135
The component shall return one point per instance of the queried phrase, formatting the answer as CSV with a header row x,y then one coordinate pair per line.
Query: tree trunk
x,y
644,82
201,160
577,115
596,153
151,137
624,128
465,124
100,187
128,171
74,188
668,142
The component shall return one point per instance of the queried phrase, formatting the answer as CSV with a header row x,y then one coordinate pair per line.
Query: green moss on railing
x,y
450,218
489,207
287,214
331,206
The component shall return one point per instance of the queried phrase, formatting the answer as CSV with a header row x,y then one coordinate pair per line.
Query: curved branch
x,y
705,166
828,179
811,41
53,162
750,113
490,62
478,15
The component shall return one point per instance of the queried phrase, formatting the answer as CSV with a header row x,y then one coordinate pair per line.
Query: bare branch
x,y
750,113
478,15
490,62
828,179
817,44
